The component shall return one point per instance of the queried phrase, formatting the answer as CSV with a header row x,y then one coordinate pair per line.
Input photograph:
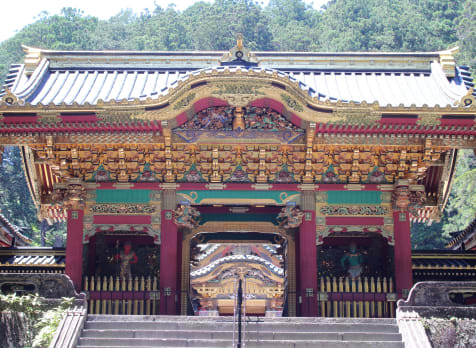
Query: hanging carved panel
x,y
239,125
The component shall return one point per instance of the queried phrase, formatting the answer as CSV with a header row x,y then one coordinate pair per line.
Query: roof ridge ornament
x,y
33,58
239,55
447,61
9,98
467,100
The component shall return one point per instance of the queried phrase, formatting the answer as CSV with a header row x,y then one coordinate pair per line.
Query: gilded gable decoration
x,y
235,124
213,118
238,94
222,118
239,55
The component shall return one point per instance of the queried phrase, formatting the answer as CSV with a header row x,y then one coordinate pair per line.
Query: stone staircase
x,y
179,331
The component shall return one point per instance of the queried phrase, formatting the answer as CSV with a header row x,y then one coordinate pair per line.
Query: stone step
x,y
253,326
250,335
119,331
322,327
182,343
103,317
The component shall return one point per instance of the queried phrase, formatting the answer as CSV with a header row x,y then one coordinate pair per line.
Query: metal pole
x,y
244,313
234,310
240,302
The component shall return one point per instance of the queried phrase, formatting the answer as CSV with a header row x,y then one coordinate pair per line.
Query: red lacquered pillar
x,y
169,272
306,257
74,247
403,253
403,243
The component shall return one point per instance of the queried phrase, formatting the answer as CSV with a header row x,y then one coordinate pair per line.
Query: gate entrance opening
x,y
219,260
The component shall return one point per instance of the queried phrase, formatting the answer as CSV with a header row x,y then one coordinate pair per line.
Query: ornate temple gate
x,y
240,129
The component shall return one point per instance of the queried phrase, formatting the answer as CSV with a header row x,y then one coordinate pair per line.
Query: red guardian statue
x,y
127,257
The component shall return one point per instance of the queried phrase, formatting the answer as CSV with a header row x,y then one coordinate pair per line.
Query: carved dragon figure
x,y
290,217
186,216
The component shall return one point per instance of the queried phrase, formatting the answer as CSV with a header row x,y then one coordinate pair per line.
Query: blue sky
x,y
18,14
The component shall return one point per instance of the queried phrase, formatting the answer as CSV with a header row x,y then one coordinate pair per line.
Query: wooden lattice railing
x,y
338,297
113,295
30,270
363,297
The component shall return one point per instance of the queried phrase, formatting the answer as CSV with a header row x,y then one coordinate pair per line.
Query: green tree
x,y
162,30
15,199
214,26
466,31
461,207
429,237
373,25
116,33
292,24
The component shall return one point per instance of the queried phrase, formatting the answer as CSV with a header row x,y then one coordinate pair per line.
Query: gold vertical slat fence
x,y
365,297
113,295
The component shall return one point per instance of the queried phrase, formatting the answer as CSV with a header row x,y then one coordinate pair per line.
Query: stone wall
x,y
17,318
13,330
432,299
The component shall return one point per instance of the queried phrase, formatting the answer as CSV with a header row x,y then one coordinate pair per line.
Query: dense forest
x,y
282,25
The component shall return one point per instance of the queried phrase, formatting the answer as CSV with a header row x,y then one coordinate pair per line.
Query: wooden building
x,y
10,236
465,239
217,267
330,155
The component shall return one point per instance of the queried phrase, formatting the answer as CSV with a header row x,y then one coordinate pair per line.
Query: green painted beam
x,y
245,197
354,197
230,217
122,196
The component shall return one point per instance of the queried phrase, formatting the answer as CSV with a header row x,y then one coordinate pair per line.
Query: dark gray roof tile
x,y
69,83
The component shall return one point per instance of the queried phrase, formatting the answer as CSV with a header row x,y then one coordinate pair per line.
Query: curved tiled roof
x,y
237,258
74,79
443,259
439,263
460,237
11,231
210,250
32,258
465,75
